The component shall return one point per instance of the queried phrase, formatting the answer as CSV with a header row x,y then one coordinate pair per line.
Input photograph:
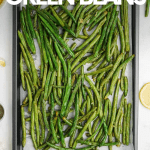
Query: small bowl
x,y
2,4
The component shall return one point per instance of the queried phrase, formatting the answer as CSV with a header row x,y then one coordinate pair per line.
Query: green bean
x,y
59,90
48,17
62,61
36,122
50,85
84,51
110,37
29,41
91,36
116,64
75,117
99,110
61,133
88,109
116,74
114,108
104,90
94,115
124,122
83,12
82,82
98,48
40,100
44,76
119,127
51,19
126,27
49,59
125,86
57,17
70,123
67,91
53,38
85,31
30,82
105,136
117,134
82,24
100,70
110,140
24,105
83,106
73,95
128,123
25,58
73,45
65,5
106,109
122,12
79,36
25,101
80,97
110,24
72,137
122,78
83,63
77,17
98,128
29,94
96,62
69,14
98,20
23,127
122,39
47,82
51,119
95,124
147,8
44,114
42,42
30,21
42,136
90,95
50,51
92,10
22,72
32,126
87,115
97,143
56,86
70,20
26,21
55,95
61,148
100,76
41,54
99,12
99,135
49,133
57,36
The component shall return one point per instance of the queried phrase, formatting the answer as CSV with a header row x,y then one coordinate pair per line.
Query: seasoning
x,y
1,111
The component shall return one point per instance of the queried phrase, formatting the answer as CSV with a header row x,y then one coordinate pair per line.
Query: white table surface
x,y
6,78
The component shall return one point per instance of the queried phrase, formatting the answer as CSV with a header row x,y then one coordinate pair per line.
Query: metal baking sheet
x,y
132,73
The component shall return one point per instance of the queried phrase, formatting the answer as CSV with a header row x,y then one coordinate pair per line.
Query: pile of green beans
x,y
61,81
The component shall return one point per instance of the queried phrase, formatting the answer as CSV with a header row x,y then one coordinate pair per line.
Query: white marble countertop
x,y
6,78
